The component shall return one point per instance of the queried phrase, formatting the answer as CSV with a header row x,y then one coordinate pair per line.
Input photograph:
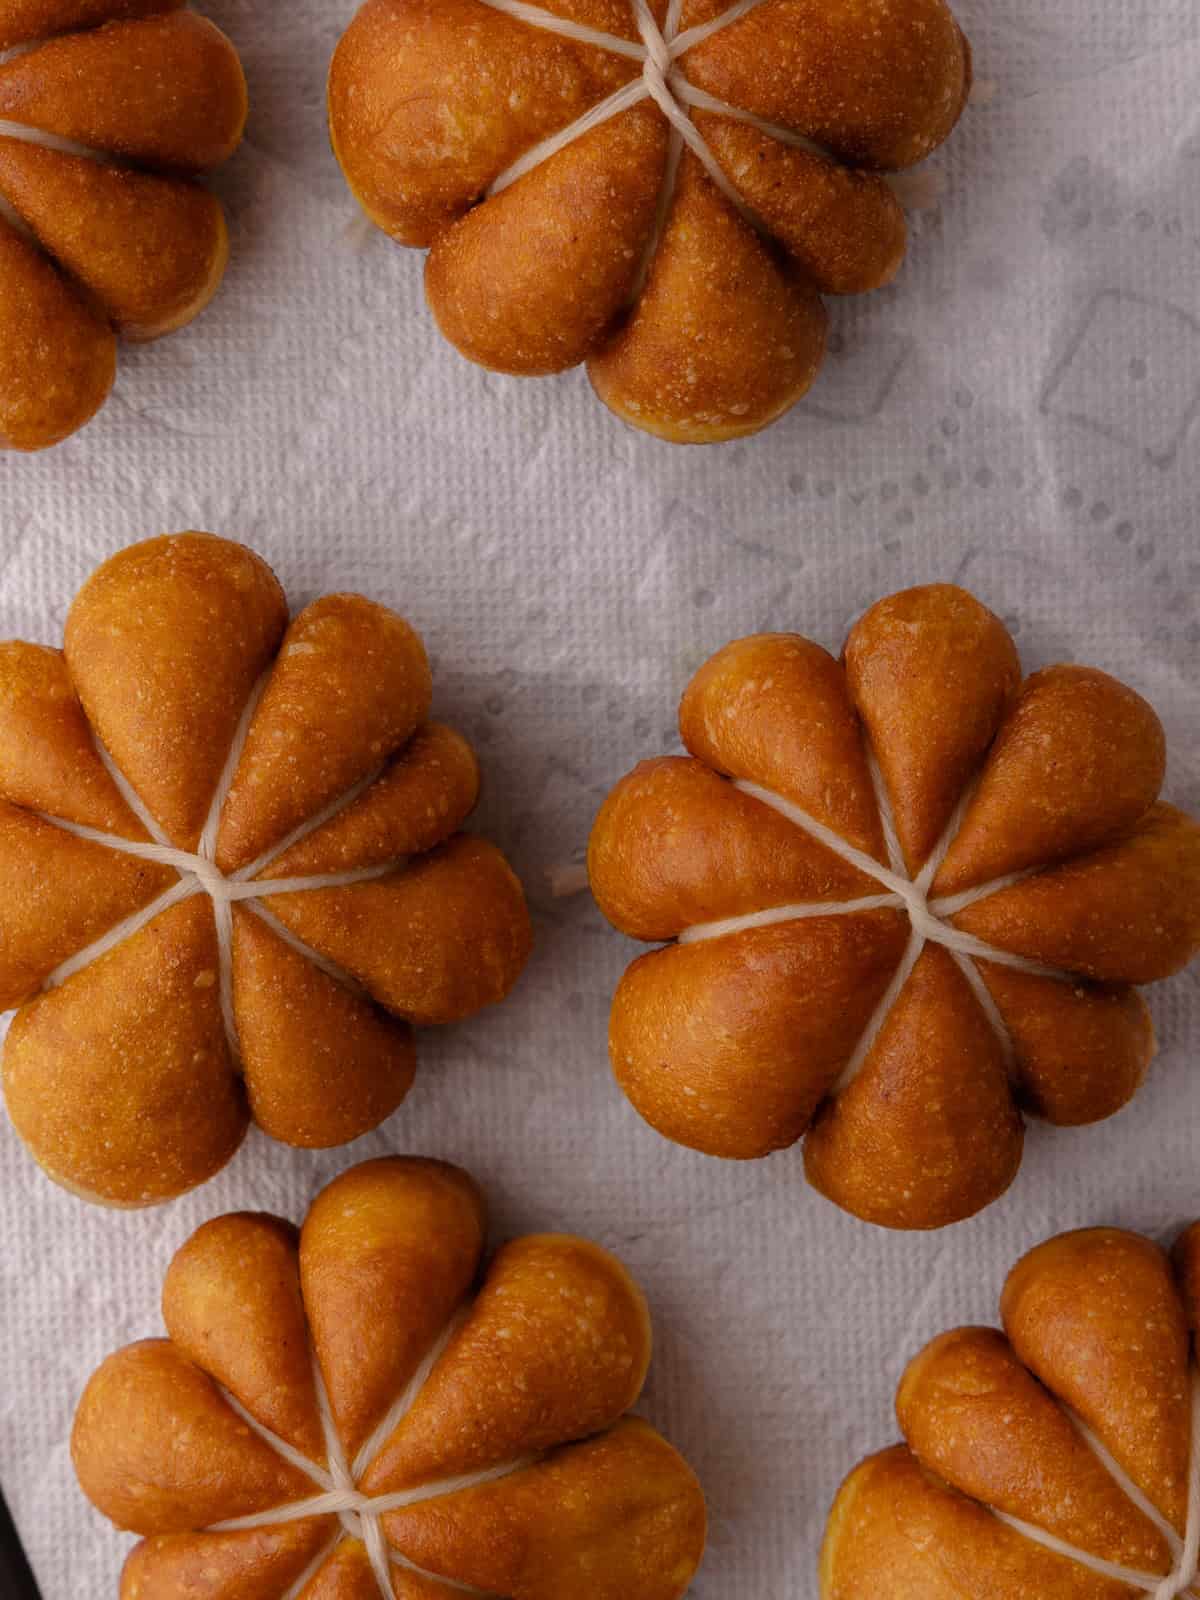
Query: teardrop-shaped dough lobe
x,y
845,229
556,1347
675,845
1081,1050
166,92
932,673
253,1564
892,1517
151,251
347,1575
1079,760
322,1064
23,20
121,1082
724,338
880,83
58,894
618,1518
190,622
158,1450
926,1134
351,685
424,794
1096,1316
730,1044
231,1303
433,942
58,355
387,1255
48,759
420,133
1129,913
530,281
774,710
971,1413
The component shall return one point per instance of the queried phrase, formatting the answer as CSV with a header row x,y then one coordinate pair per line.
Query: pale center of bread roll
x,y
336,1481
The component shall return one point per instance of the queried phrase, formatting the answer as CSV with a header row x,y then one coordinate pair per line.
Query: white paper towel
x,y
1018,413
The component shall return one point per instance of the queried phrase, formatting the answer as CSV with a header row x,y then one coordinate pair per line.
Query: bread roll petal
x,y
843,228
774,709
322,1064
724,338
58,894
675,845
1185,1258
529,282
193,622
618,1518
48,759
729,1045
1079,760
256,1564
434,942
931,672
387,1254
428,104
880,83
927,1133
1128,913
166,91
151,251
971,1413
58,355
424,794
23,20
1096,1316
1081,1049
347,1575
893,1517
231,1304
121,1082
349,688
554,1348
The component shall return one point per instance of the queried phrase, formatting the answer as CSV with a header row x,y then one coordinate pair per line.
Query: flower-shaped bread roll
x,y
662,189
229,870
109,109
909,893
334,1417
1059,1459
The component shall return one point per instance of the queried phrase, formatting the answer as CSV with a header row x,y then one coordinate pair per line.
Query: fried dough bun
x,y
122,1076
523,1474
900,1034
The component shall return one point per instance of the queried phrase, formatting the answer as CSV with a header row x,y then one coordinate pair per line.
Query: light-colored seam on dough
x,y
199,873
908,894
53,141
1186,1552
359,1513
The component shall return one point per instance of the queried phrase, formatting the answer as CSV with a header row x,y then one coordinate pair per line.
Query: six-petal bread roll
x,y
231,875
662,189
1058,1459
342,1413
109,111
909,896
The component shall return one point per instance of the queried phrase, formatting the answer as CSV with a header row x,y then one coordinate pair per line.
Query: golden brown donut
x,y
1052,1459
188,742
909,897
461,1434
688,278
109,110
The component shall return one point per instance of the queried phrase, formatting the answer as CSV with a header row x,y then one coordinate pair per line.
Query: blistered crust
x,y
694,306
896,1001
533,1479
297,754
